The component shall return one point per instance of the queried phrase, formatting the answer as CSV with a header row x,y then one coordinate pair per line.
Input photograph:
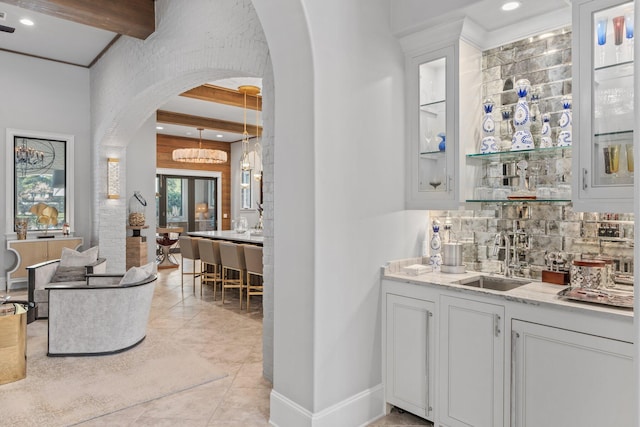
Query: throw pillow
x,y
71,258
68,274
150,268
133,275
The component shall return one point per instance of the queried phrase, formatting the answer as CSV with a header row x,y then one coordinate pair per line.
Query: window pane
x,y
40,182
176,202
205,207
245,189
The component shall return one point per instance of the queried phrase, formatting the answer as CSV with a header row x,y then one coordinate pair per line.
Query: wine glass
x,y
429,137
435,183
435,179
601,30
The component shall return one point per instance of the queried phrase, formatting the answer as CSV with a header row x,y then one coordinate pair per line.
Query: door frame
x,y
201,174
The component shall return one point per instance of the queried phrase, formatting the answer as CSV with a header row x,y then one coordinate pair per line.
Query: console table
x,y
35,251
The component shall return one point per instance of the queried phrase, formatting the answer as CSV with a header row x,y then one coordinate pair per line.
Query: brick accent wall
x,y
195,41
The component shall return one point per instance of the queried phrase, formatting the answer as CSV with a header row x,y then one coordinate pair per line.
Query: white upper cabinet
x,y
443,94
603,82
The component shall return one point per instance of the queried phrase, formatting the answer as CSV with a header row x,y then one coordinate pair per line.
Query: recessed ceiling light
x,y
220,135
159,127
510,5
27,22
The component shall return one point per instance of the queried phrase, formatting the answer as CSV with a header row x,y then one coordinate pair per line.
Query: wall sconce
x,y
113,178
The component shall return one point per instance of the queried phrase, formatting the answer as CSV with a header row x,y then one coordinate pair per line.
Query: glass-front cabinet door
x,y
433,115
604,117
432,142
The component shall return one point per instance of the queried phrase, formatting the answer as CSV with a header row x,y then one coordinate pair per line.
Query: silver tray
x,y
613,297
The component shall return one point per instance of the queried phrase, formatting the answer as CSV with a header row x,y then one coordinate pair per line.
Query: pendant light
x,y
245,164
257,148
199,155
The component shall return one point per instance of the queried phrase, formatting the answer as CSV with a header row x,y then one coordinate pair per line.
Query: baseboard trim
x,y
358,410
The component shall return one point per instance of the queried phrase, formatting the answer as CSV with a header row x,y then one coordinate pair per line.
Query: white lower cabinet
x,y
570,379
465,360
471,363
410,352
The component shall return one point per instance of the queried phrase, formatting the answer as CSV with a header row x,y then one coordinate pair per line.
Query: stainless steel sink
x,y
496,283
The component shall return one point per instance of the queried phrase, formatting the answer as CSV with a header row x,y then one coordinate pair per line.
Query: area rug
x,y
61,391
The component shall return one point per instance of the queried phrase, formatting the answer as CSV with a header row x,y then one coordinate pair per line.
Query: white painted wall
x,y
342,142
46,96
361,222
140,162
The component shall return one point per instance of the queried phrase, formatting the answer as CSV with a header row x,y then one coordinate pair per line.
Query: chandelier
x,y
33,160
199,155
245,163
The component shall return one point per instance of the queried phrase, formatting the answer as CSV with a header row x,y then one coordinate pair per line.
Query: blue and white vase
x,y
545,134
564,136
489,143
522,139
436,245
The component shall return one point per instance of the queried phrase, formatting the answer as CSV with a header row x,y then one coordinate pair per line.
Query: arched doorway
x,y
173,61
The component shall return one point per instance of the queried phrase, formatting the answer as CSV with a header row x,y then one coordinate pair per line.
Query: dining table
x,y
249,236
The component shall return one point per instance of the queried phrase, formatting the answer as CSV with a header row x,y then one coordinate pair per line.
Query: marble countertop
x,y
247,237
535,292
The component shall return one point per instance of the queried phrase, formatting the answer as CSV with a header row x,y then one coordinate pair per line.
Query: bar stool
x,y
189,250
210,259
232,259
253,261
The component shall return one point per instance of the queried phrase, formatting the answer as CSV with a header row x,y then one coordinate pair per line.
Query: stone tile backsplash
x,y
547,227
540,227
545,62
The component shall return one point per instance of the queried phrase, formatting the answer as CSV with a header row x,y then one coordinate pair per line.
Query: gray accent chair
x,y
211,264
254,263
100,317
234,269
189,249
40,276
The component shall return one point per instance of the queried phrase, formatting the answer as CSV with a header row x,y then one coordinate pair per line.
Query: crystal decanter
x,y
536,117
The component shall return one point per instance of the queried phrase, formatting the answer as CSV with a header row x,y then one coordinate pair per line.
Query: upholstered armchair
x,y
107,315
71,268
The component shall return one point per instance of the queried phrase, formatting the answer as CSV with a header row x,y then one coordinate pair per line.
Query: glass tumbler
x,y
241,225
629,149
614,157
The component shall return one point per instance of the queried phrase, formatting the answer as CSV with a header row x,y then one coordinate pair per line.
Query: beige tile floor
x,y
223,334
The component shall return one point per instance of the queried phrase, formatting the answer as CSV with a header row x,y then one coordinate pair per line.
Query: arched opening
x,y
123,101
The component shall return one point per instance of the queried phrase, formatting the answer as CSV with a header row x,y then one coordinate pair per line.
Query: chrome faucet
x,y
500,237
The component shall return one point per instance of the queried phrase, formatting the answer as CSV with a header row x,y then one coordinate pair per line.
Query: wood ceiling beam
x,y
135,18
180,119
222,95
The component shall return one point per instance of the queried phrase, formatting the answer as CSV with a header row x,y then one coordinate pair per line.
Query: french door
x,y
187,201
